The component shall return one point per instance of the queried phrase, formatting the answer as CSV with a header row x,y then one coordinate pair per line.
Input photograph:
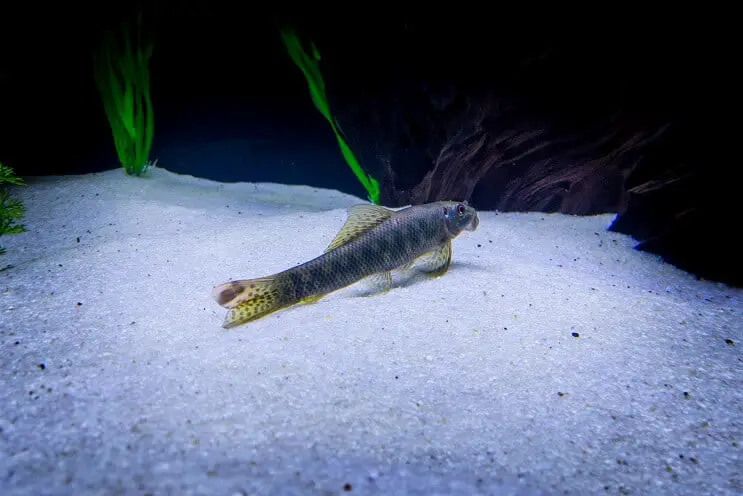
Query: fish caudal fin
x,y
249,299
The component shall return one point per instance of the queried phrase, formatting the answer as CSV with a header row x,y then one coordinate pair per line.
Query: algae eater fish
x,y
374,241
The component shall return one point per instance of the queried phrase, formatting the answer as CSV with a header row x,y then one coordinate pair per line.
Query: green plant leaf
x,y
8,176
122,77
311,70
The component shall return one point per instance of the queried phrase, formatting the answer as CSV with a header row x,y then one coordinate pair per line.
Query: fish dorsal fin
x,y
361,218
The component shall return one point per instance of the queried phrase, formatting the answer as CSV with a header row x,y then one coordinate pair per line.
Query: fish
x,y
374,241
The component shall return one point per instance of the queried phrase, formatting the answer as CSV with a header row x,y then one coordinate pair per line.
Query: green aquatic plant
x,y
308,63
11,210
123,79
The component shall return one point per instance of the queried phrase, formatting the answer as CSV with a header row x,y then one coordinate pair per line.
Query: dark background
x,y
230,105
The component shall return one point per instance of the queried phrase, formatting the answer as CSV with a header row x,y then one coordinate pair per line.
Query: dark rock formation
x,y
578,128
687,211
483,148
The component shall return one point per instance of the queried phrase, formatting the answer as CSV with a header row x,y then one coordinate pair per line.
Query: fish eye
x,y
460,209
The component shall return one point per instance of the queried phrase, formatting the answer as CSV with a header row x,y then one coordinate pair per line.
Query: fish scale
x,y
374,241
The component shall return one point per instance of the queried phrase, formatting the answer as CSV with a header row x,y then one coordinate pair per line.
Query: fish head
x,y
459,216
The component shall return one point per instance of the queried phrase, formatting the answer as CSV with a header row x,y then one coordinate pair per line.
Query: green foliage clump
x,y
123,80
11,210
310,67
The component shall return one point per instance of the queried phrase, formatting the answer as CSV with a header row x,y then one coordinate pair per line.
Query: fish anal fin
x,y
311,299
437,262
361,218
409,265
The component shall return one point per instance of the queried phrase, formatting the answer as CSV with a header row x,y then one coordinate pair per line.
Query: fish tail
x,y
249,299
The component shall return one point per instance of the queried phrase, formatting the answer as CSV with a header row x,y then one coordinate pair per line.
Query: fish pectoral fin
x,y
249,299
437,262
361,218
381,281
